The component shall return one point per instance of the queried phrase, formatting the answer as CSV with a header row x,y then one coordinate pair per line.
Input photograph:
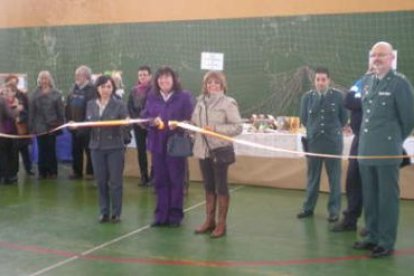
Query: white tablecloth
x,y
291,141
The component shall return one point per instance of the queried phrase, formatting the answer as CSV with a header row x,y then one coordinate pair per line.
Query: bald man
x,y
388,118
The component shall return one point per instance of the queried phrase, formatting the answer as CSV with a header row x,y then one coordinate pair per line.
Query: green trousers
x,y
333,169
381,198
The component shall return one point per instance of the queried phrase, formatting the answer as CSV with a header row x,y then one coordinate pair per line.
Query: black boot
x,y
144,180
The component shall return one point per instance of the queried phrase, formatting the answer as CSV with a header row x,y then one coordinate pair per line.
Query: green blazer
x,y
324,119
388,118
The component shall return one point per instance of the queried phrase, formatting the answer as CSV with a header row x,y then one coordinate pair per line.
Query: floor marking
x,y
183,262
84,254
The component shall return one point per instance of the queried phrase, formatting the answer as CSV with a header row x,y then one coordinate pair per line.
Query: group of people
x,y
382,117
159,99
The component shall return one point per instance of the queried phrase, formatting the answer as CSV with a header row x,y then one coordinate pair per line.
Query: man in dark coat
x,y
76,102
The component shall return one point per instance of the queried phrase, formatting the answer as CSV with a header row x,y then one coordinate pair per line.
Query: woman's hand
x,y
70,126
209,128
157,122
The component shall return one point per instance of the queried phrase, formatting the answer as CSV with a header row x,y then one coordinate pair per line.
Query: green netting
x,y
268,61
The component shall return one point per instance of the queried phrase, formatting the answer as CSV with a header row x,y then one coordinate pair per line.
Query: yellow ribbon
x,y
256,145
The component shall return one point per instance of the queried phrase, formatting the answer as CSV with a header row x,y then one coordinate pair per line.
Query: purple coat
x,y
179,107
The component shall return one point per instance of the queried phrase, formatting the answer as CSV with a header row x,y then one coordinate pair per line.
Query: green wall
x,y
262,55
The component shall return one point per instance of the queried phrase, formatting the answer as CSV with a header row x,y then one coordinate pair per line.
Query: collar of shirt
x,y
101,106
165,97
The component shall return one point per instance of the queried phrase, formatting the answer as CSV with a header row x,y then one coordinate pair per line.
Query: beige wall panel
x,y
30,13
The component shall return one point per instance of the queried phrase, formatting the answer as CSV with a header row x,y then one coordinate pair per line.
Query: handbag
x,y
223,155
305,144
180,145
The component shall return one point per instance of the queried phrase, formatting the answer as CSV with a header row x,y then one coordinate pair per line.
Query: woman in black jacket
x,y
107,145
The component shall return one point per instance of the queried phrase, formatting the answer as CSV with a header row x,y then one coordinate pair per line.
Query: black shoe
x,y
115,219
363,245
144,180
343,227
30,172
158,224
379,252
103,219
304,214
75,177
10,180
89,177
333,218
174,224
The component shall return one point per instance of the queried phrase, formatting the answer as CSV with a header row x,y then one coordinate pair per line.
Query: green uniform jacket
x,y
324,119
388,118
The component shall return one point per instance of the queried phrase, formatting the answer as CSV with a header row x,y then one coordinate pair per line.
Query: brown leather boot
x,y
210,222
223,207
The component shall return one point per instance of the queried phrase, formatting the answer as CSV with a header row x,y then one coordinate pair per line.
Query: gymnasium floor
x,y
50,228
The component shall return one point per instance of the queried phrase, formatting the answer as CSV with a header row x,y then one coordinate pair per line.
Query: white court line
x,y
87,252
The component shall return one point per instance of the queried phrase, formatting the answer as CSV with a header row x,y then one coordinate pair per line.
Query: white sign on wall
x,y
212,61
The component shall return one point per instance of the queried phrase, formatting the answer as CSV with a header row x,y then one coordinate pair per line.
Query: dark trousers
x,y
214,177
353,188
80,146
381,203
141,143
9,158
333,169
109,168
47,161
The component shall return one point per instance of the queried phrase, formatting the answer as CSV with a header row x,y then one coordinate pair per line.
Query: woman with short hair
x,y
215,111
46,112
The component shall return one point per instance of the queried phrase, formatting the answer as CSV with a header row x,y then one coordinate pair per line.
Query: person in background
x,y
82,92
46,112
217,112
167,101
22,144
9,155
388,118
323,114
136,103
107,145
119,84
353,185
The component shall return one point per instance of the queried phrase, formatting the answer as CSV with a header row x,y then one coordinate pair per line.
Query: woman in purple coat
x,y
167,101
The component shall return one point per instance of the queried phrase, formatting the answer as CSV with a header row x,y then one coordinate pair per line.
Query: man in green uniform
x,y
323,114
388,118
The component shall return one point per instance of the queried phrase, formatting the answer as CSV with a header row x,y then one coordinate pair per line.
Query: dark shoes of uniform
x,y
379,252
333,218
115,219
304,214
103,219
363,245
343,227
